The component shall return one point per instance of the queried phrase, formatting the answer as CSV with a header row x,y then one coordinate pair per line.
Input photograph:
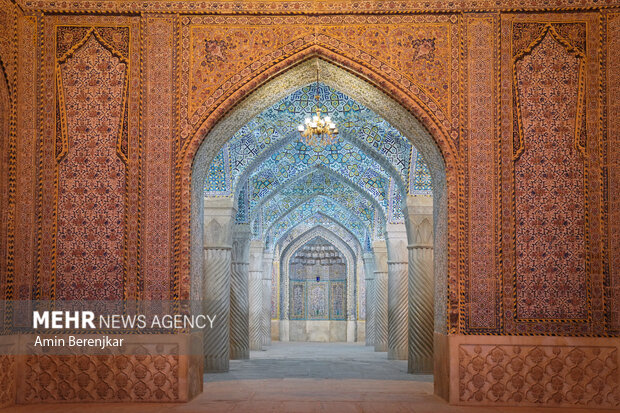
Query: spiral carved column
x,y
256,295
215,290
370,297
397,310
421,285
239,302
397,292
266,285
216,293
381,296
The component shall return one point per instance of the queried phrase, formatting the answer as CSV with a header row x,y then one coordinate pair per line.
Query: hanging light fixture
x,y
316,131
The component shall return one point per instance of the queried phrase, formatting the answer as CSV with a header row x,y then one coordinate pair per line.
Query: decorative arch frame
x,y
351,262
374,89
328,219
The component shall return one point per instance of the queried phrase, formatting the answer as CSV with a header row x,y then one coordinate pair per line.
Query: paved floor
x,y
306,377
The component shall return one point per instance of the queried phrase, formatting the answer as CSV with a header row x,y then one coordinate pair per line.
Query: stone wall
x,y
534,371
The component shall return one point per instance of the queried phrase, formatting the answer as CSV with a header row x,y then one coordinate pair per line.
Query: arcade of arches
x,y
464,219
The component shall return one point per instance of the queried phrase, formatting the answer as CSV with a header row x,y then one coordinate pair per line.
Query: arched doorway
x,y
427,298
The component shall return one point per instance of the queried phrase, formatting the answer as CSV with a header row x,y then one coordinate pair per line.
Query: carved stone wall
x,y
5,137
612,53
8,373
536,372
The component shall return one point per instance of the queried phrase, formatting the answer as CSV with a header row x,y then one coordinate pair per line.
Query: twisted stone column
x,y
397,292
284,299
381,296
369,272
239,302
217,239
421,285
256,295
266,283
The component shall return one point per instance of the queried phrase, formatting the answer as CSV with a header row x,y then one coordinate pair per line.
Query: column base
x,y
275,330
284,330
216,364
351,331
239,354
420,365
397,353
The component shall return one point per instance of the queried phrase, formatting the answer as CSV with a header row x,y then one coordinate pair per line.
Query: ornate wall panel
x,y
317,273
142,375
8,371
158,159
550,118
5,136
24,266
7,380
613,164
91,152
549,179
8,32
538,375
286,279
90,156
482,279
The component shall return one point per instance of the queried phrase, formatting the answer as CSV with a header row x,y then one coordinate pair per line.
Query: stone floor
x,y
306,377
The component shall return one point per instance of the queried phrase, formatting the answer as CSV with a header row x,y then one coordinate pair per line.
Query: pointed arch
x,y
328,219
295,179
350,257
311,199
381,94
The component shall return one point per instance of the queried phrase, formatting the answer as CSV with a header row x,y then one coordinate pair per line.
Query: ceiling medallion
x,y
318,132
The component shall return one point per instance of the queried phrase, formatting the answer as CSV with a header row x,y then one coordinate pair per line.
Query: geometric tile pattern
x,y
278,123
268,155
310,207
316,183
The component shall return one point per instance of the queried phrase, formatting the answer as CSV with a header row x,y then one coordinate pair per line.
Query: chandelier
x,y
318,132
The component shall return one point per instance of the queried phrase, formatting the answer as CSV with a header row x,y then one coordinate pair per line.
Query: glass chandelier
x,y
316,131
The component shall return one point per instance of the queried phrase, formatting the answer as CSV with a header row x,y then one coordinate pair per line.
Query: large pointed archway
x,y
436,149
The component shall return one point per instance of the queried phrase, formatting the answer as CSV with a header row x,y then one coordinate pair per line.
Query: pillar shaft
x,y
256,295
266,284
381,296
217,239
420,352
216,293
239,295
421,285
370,298
397,292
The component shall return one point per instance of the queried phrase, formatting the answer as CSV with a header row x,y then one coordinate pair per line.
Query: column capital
x,y
220,206
257,245
218,218
379,247
419,204
397,242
